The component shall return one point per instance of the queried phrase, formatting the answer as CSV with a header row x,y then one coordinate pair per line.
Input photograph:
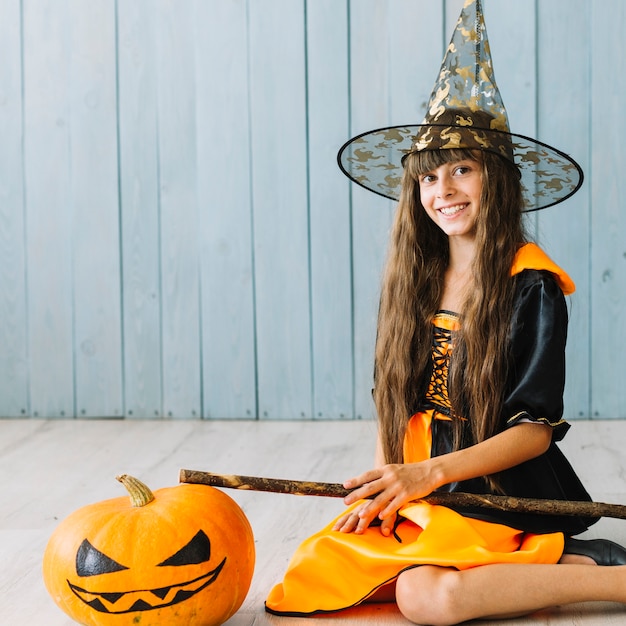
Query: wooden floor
x,y
50,468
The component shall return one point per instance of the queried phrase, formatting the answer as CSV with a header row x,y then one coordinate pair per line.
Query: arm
x,y
538,338
398,484
503,451
379,459
539,331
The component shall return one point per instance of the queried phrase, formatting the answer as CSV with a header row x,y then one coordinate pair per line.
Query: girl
x,y
471,340
456,237
469,376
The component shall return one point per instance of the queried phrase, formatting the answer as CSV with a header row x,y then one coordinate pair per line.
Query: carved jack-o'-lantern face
x,y
184,557
91,562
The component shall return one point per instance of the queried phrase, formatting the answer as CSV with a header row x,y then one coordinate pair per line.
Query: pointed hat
x,y
465,110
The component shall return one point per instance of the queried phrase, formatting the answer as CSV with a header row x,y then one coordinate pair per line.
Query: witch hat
x,y
465,110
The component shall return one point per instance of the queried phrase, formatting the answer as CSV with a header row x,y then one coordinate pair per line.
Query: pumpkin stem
x,y
140,494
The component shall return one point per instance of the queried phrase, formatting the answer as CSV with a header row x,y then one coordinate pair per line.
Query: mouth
x,y
145,599
450,211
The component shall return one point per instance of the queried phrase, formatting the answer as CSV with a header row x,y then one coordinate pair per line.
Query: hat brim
x,y
373,160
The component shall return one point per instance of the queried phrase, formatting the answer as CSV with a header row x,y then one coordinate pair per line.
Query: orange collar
x,y
532,257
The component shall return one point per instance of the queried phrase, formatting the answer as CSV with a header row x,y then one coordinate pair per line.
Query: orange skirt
x,y
331,570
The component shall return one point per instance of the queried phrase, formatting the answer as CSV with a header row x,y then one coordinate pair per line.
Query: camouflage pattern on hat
x,y
465,110
466,80
464,128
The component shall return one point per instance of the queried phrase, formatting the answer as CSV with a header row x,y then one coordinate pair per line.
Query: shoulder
x,y
538,297
531,257
539,281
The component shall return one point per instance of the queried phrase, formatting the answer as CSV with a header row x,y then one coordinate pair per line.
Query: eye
x,y
427,178
463,168
91,562
198,550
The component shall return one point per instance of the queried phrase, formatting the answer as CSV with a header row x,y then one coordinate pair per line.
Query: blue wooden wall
x,y
176,239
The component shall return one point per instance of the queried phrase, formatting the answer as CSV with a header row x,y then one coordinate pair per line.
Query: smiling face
x,y
185,557
451,195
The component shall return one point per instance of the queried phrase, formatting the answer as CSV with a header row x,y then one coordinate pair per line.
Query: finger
x,y
366,477
367,518
386,528
364,492
383,504
349,523
363,524
348,520
368,514
390,509
340,522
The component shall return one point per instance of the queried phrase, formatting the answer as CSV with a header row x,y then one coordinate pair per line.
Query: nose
x,y
445,186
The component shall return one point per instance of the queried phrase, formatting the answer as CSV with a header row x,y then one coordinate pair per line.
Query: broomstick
x,y
462,500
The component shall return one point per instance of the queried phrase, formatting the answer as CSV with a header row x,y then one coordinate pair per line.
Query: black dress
x,y
333,570
534,393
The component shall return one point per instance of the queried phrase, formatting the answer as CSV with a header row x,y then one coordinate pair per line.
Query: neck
x,y
458,277
462,254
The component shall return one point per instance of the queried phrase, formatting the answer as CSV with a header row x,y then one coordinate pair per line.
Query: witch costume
x,y
332,570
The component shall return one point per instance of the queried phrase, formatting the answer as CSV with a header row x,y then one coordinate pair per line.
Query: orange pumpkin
x,y
183,555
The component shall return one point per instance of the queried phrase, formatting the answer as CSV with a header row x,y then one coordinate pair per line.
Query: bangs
x,y
418,163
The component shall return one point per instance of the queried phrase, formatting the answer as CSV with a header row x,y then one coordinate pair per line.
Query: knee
x,y
429,596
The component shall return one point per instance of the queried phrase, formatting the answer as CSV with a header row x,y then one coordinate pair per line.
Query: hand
x,y
393,486
353,522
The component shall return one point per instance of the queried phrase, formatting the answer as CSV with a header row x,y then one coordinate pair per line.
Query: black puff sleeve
x,y
535,393
537,371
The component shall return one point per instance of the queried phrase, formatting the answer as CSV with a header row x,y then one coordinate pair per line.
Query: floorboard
x,y
49,468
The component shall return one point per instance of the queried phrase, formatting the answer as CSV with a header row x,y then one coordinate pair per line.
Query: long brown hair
x,y
412,290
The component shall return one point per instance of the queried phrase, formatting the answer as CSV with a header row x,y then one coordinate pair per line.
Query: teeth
x,y
451,210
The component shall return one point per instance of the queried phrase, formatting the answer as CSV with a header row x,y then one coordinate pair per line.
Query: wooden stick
x,y
463,500
255,483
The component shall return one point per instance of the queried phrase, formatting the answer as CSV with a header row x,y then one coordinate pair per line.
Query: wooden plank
x,y
452,10
329,199
512,36
371,214
279,196
564,229
14,400
48,212
180,298
608,222
307,337
225,214
139,203
413,65
513,41
95,211
389,85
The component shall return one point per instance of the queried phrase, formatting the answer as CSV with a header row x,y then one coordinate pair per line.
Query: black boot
x,y
602,551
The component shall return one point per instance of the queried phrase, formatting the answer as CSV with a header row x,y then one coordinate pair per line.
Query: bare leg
x,y
441,596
